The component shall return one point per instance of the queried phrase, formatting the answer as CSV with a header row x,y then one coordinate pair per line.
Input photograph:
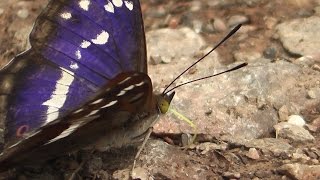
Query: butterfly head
x,y
164,101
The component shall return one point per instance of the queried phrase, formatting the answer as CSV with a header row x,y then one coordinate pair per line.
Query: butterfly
x,y
83,82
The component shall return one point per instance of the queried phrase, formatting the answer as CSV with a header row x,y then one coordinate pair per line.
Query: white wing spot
x,y
129,5
109,7
129,88
78,54
66,15
84,4
101,38
121,93
140,84
58,101
52,110
66,132
126,79
74,66
77,111
85,44
92,113
117,3
110,104
97,101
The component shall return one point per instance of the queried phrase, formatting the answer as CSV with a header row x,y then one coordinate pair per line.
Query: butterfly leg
x,y
146,137
75,172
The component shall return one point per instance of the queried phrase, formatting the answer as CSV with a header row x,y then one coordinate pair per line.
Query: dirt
x,y
216,163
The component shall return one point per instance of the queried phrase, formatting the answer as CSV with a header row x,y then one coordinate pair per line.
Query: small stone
x,y
262,174
283,113
1,11
247,56
186,139
156,59
101,174
196,6
316,151
315,161
197,25
270,53
123,174
317,10
174,22
311,154
219,25
300,156
208,146
316,67
232,175
296,120
23,13
253,154
208,112
140,173
300,171
312,128
271,22
316,123
312,94
237,19
276,146
94,164
293,132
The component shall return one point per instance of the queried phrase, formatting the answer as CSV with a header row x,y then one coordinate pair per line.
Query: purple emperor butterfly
x,y
83,83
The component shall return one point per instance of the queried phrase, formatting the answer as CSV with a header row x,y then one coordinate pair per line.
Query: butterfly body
x,y
83,83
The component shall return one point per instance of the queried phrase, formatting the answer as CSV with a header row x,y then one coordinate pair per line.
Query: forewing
x,y
78,46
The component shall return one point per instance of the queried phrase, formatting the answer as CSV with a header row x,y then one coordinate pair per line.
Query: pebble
x,y
270,53
276,146
262,174
283,113
253,154
316,67
237,19
296,120
312,94
1,11
316,123
197,25
204,148
196,6
186,139
140,173
219,25
300,171
23,13
247,56
232,175
293,132
317,10
271,22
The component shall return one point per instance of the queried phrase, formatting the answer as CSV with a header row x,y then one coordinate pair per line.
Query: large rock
x,y
241,104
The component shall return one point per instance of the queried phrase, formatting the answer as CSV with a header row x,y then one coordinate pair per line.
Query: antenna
x,y
234,30
199,79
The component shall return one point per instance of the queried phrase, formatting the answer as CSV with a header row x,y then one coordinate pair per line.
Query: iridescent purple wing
x,y
78,46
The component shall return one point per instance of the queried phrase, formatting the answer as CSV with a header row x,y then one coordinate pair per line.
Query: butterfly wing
x,y
78,47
